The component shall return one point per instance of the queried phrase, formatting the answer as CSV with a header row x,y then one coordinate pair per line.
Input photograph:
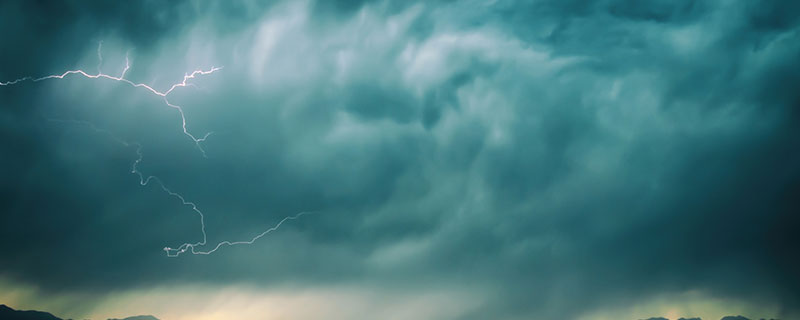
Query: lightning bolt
x,y
163,94
144,179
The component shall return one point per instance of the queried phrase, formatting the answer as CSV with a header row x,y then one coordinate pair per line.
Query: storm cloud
x,y
512,159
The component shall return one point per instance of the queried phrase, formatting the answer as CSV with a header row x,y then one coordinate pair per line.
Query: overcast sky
x,y
462,159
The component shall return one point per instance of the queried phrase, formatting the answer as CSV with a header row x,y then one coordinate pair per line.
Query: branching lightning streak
x,y
145,180
164,95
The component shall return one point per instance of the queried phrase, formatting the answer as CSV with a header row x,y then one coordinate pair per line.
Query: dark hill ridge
x,y
7,313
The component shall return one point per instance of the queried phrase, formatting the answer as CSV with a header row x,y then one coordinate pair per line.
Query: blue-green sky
x,y
463,159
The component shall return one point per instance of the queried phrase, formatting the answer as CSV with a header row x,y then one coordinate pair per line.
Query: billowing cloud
x,y
545,159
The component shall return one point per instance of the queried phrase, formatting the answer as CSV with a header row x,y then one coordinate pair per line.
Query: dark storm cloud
x,y
562,155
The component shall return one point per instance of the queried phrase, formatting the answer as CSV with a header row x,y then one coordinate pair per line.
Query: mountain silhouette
x,y
7,313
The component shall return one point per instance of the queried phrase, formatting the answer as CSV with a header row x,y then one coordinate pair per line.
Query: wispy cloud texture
x,y
515,159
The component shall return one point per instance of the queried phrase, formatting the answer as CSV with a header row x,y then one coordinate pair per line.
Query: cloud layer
x,y
551,158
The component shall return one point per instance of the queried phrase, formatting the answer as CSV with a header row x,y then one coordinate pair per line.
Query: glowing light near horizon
x,y
147,179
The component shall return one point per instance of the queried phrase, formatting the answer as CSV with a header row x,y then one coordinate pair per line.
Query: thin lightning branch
x,y
14,81
186,246
121,78
100,57
127,64
147,179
